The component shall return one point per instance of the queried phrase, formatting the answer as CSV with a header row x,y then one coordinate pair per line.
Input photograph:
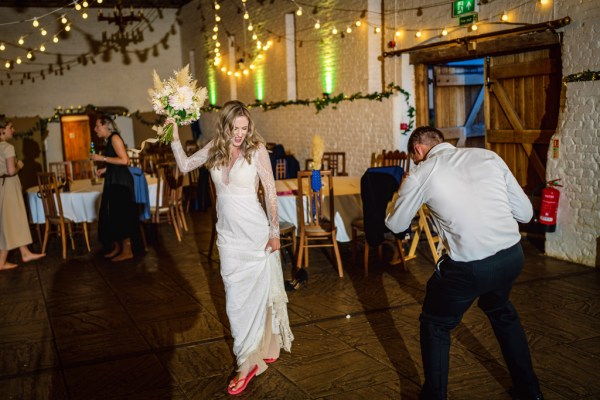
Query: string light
x,y
29,55
223,69
299,12
229,73
35,23
55,39
21,40
418,34
252,66
2,47
474,27
250,27
7,64
398,33
237,74
64,20
504,17
85,4
78,6
348,30
68,28
19,60
217,18
217,6
334,31
444,32
43,32
317,24
377,29
358,23
214,37
254,37
246,72
99,1
216,29
84,15
543,2
42,48
246,15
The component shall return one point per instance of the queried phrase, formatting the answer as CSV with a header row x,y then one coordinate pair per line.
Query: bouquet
x,y
177,98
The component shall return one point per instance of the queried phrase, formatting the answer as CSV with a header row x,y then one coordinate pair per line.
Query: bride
x,y
248,240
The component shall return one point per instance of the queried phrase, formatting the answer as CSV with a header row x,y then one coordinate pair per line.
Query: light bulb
x,y
216,29
246,72
543,2
78,6
259,56
84,15
299,12
334,31
217,18
21,40
229,73
251,66
99,1
398,33
43,32
377,30
42,48
237,74
217,6
504,17
317,25
250,27
254,37
348,30
29,55
55,39
63,19
68,28
444,32
2,47
246,15
258,45
7,64
214,37
474,27
418,34
223,69
19,60
269,43
35,23
218,44
358,23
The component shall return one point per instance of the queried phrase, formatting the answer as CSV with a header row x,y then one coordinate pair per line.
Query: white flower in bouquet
x,y
178,98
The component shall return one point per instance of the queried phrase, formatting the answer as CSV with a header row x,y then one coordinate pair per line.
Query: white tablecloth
x,y
347,203
81,204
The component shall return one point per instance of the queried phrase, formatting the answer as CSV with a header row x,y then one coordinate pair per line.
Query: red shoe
x,y
245,381
269,360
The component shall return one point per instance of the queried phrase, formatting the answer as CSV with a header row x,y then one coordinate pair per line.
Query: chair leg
x,y
182,214
63,237
401,254
70,227
337,256
143,236
174,222
39,233
85,234
300,252
46,234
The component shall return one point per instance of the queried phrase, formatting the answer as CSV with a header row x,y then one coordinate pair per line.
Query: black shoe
x,y
300,280
518,395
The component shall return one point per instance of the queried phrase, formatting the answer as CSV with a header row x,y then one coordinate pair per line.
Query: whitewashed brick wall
x,y
363,127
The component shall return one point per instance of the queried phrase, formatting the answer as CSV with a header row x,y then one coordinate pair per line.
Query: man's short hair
x,y
424,135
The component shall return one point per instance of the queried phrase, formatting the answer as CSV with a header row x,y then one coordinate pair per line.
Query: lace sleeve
x,y
185,163
265,173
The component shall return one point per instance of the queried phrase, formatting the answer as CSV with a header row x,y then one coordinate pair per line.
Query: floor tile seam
x,y
290,380
384,364
554,277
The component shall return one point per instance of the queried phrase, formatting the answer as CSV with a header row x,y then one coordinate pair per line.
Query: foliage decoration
x,y
582,76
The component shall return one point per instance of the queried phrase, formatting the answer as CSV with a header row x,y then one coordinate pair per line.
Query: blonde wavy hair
x,y
219,154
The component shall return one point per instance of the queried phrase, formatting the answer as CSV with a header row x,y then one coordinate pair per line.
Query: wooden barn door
x,y
522,99
458,100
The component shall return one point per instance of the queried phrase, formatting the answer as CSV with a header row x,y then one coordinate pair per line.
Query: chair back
x,y
191,146
396,158
62,169
280,169
83,169
335,161
310,203
172,184
50,194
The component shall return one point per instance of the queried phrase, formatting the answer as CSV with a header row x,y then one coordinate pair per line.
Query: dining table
x,y
346,202
81,203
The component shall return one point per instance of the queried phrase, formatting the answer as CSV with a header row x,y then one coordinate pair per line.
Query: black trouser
x,y
450,292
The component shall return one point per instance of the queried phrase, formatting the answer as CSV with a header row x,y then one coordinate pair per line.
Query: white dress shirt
x,y
473,197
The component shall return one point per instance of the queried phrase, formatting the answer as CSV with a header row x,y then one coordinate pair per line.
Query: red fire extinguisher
x,y
549,206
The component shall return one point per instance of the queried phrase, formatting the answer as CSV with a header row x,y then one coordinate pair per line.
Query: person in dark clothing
x,y
118,219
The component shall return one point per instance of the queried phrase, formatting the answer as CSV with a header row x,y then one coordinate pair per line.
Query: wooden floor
x,y
156,328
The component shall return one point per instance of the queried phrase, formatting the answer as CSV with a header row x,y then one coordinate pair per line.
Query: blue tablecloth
x,y
142,196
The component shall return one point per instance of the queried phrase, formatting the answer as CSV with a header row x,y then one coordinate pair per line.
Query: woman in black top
x,y
118,219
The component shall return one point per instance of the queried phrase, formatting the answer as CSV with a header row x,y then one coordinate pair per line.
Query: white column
x,y
400,113
232,64
374,45
290,53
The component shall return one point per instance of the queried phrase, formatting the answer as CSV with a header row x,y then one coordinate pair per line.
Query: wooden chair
x,y
62,169
280,169
83,169
191,146
335,161
423,225
192,191
396,157
312,219
287,230
53,211
164,210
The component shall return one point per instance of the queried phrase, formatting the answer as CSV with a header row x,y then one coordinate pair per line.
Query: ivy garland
x,y
319,103
582,76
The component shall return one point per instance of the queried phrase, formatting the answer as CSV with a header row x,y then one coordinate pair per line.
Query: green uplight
x,y
212,85
259,81
328,58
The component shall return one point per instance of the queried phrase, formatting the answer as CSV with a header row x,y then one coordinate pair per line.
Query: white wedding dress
x,y
256,301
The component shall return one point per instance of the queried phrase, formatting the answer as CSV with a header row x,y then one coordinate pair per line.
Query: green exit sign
x,y
467,19
462,7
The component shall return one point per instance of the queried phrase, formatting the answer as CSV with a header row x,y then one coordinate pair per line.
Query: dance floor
x,y
156,328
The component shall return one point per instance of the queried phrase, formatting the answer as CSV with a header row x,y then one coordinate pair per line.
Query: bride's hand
x,y
274,244
175,128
